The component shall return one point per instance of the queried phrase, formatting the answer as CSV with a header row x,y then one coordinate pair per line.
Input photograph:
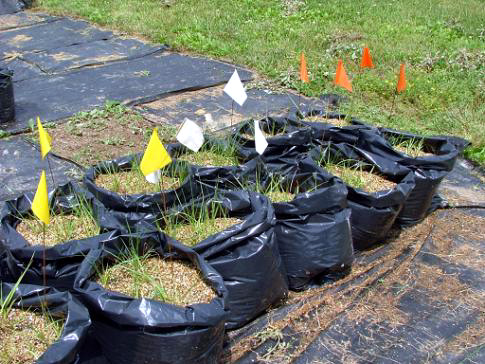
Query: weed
x,y
413,147
133,181
150,276
356,174
195,224
77,224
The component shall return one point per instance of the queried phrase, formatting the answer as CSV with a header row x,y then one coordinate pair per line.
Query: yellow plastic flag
x,y
44,139
40,204
155,156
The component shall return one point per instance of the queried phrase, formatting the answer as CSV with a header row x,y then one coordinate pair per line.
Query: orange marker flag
x,y
401,83
366,59
303,70
341,78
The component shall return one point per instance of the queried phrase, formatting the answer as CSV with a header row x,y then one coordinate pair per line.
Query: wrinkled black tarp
x,y
245,254
373,214
147,331
429,170
151,202
294,138
313,230
7,102
59,305
61,260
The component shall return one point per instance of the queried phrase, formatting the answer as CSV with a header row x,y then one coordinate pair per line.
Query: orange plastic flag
x,y
401,83
303,70
341,78
366,59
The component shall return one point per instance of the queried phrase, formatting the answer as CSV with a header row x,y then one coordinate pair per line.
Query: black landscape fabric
x,y
22,166
19,256
147,331
13,6
132,81
46,300
246,254
373,213
7,104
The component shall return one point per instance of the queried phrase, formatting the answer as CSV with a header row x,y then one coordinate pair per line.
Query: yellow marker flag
x,y
155,156
44,139
40,204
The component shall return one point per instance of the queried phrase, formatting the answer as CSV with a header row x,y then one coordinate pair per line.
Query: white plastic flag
x,y
191,135
259,139
154,177
235,89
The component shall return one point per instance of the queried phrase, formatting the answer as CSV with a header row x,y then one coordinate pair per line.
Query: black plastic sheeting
x,y
58,305
61,260
141,203
324,132
289,138
245,254
147,331
368,208
7,104
429,170
312,230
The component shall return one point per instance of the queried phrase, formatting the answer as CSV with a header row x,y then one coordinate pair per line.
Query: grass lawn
x,y
441,41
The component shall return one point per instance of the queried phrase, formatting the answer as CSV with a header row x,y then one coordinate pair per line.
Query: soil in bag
x,y
39,324
153,301
120,185
51,254
233,231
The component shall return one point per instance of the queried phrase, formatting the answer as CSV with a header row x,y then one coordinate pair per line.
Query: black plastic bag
x,y
325,132
147,331
373,214
313,230
246,254
290,138
139,203
7,102
59,305
61,260
429,170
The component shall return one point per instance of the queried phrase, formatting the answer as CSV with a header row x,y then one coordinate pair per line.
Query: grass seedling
x,y
356,174
213,154
196,224
36,330
133,181
79,223
152,277
413,147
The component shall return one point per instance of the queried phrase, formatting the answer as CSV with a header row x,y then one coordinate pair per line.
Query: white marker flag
x,y
259,139
154,177
191,135
235,89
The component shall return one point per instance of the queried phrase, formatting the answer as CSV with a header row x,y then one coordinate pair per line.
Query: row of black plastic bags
x,y
251,265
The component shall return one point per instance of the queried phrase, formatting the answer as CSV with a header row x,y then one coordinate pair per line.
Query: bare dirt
x,y
180,282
